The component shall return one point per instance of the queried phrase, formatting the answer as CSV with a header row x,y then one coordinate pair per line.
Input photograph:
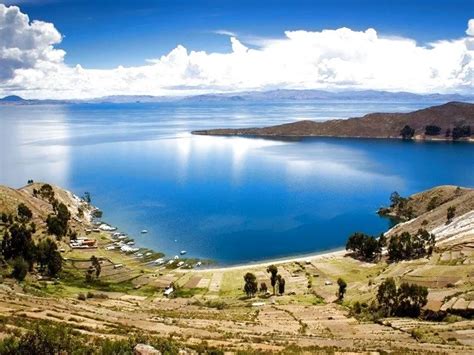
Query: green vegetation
x,y
406,246
451,213
48,257
432,130
19,249
251,286
57,224
365,247
342,289
46,337
20,268
273,271
24,213
461,132
407,132
406,301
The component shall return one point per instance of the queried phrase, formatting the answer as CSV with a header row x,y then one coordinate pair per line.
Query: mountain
x,y
449,116
12,98
257,96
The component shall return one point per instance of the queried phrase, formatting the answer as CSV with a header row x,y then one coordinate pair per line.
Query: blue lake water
x,y
229,199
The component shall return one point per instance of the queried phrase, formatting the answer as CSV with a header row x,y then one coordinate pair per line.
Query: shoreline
x,y
340,252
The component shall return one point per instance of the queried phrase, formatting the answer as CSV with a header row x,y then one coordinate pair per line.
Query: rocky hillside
x,y
429,209
443,121
10,199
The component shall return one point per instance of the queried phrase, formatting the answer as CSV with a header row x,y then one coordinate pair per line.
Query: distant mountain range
x,y
250,96
452,120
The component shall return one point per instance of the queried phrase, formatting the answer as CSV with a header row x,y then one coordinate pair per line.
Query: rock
x,y
144,349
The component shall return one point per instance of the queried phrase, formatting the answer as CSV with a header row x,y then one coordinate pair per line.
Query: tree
x,y
273,270
395,199
407,132
55,264
447,134
410,300
387,296
342,289
461,131
20,268
55,227
251,286
87,197
48,257
406,246
96,265
432,130
263,287
281,285
46,191
17,242
364,246
24,213
451,213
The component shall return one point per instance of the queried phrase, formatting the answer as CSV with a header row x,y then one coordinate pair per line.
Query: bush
x,y
366,247
81,297
432,130
407,132
20,268
406,301
24,213
406,246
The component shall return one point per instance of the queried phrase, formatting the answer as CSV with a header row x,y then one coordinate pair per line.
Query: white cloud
x,y
225,33
470,28
329,59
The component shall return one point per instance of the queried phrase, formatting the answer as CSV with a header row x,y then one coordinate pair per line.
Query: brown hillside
x,y
374,125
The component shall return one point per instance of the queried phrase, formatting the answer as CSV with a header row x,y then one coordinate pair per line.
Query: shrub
x,y
20,269
432,130
81,297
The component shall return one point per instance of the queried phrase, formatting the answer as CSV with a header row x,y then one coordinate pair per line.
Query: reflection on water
x,y
22,156
230,199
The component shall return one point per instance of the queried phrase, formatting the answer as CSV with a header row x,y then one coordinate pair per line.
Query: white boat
x,y
131,242
182,252
181,263
144,231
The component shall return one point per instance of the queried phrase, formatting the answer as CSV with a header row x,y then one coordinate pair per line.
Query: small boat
x,y
182,252
181,263
144,231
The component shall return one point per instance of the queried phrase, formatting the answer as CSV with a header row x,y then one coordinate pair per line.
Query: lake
x,y
233,200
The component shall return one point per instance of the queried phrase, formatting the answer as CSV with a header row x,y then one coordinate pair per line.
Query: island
x,y
450,121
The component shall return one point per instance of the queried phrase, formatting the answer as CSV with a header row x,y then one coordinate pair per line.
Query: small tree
x,y
407,132
24,213
342,288
281,285
411,299
387,296
251,286
96,265
20,269
451,213
263,287
273,270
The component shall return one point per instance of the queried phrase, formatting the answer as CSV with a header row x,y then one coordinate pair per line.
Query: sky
x,y
80,49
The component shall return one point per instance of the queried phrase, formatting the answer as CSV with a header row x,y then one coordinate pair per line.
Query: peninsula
x,y
450,121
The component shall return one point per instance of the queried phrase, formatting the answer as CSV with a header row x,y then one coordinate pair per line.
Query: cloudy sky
x,y
82,49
